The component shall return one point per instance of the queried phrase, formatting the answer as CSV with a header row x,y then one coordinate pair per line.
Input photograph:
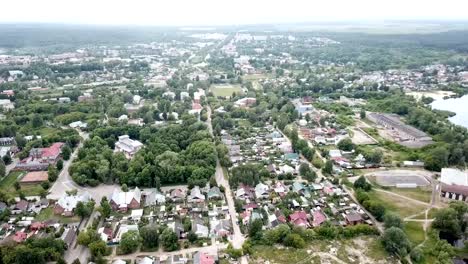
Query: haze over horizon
x,y
221,12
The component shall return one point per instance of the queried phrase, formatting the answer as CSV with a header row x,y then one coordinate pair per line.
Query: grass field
x,y
397,205
282,255
415,232
225,90
7,185
421,194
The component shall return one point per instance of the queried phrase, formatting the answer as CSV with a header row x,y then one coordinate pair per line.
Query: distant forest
x,y
58,38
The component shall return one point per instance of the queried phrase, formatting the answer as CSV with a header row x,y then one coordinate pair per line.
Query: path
x,y
405,197
65,183
237,237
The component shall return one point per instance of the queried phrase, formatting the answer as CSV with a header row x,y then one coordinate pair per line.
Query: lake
x,y
456,105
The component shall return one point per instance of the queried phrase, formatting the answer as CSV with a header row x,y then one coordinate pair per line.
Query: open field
x,y
225,90
397,205
7,185
422,194
359,250
361,138
415,232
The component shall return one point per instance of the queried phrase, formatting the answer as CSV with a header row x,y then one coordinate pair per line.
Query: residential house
x,y
66,204
20,207
221,228
122,201
261,191
69,236
154,197
215,193
20,237
244,192
318,218
196,196
177,195
299,218
203,258
200,230
354,218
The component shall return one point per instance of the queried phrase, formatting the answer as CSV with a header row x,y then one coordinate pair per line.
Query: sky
x,y
224,12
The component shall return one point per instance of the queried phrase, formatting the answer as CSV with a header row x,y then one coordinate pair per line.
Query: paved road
x,y
11,166
65,183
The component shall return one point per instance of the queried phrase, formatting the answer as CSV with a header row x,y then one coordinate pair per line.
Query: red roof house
x,y
319,218
299,218
19,237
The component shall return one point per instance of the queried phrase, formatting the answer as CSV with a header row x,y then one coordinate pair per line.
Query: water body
x,y
456,105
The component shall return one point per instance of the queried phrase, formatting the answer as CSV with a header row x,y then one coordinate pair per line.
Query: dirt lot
x,y
364,250
361,138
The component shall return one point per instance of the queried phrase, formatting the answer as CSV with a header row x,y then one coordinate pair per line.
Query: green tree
x,y
255,229
7,159
169,240
98,248
84,209
36,121
361,183
105,207
66,152
150,236
130,242
52,173
362,114
446,221
328,168
2,169
436,159
392,220
346,144
294,240
87,237
396,242
304,168
59,165
192,237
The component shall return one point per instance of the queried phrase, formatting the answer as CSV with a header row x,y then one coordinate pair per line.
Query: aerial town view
x,y
199,132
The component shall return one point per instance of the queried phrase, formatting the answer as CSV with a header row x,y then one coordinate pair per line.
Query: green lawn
x,y
395,204
415,232
225,90
421,194
7,184
48,131
48,213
